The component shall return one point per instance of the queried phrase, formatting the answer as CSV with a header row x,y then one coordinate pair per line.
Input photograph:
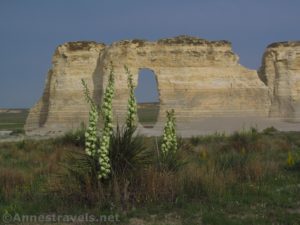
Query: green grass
x,y
13,121
239,179
148,113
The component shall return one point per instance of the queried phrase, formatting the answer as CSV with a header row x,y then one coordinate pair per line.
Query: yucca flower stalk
x,y
169,143
91,132
131,119
107,131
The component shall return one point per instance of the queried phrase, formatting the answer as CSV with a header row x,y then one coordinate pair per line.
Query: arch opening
x,y
147,96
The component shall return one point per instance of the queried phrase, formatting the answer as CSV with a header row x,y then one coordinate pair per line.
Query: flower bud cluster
x,y
169,143
131,118
107,131
91,132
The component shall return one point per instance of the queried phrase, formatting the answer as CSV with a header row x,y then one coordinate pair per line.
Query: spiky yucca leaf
x,y
81,166
128,153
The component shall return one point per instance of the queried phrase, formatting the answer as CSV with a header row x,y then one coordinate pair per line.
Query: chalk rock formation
x,y
196,77
281,73
62,106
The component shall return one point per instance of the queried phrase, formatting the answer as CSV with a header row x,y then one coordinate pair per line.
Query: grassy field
x,y
244,178
13,119
148,113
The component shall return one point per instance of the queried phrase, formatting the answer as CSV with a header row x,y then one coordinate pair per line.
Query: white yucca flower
x,y
91,132
169,144
131,119
107,129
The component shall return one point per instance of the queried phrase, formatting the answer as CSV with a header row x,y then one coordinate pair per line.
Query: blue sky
x,y
30,30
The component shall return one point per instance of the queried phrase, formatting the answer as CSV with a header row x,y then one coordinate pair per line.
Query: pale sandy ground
x,y
202,126
20,137
226,125
4,133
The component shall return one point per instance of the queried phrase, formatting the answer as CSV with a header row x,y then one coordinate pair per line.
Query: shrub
x,y
17,131
231,160
292,162
77,180
129,157
76,137
10,181
195,140
128,153
244,141
270,130
216,137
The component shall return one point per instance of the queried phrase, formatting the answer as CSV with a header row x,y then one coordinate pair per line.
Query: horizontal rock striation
x,y
196,77
62,106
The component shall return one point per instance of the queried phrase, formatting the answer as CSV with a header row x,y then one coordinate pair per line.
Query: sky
x,y
30,31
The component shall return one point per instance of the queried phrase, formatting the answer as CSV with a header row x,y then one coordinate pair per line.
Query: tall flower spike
x,y
131,119
169,143
104,161
91,132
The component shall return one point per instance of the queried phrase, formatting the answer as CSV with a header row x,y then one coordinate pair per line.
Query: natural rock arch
x,y
147,74
200,79
148,106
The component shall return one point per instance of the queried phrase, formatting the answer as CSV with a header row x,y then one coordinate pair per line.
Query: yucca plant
x,y
131,120
82,167
169,144
169,158
128,156
107,130
77,179
91,140
111,161
128,153
94,146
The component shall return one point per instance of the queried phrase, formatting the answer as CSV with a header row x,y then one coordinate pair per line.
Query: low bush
x,y
74,137
216,137
293,161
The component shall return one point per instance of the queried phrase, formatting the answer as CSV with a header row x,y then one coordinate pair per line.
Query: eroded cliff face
x,y
281,73
62,106
196,77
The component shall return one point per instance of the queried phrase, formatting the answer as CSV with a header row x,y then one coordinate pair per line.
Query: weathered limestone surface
x,y
281,72
62,106
198,78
